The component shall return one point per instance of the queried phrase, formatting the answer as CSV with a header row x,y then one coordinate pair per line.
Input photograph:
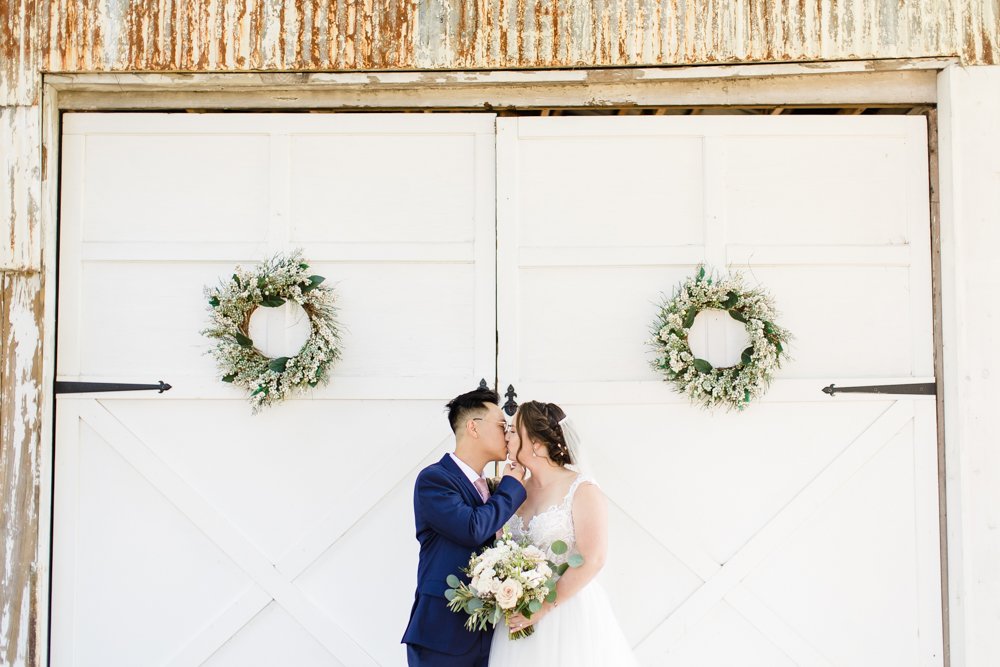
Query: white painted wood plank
x,y
797,511
508,276
384,477
266,123
249,253
656,392
534,257
65,521
485,249
71,237
222,629
927,534
775,628
223,534
825,255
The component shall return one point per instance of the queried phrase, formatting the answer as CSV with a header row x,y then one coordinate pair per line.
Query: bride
x,y
579,628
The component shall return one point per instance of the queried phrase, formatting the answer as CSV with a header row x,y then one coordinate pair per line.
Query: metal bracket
x,y
916,389
95,387
510,407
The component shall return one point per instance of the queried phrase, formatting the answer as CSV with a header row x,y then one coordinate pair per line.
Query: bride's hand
x,y
513,469
520,622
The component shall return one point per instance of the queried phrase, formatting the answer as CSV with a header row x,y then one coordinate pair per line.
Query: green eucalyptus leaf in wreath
x,y
746,395
303,266
278,365
229,378
747,355
738,316
214,302
236,279
702,366
260,390
768,328
559,547
271,301
689,317
732,298
576,560
314,282
777,346
261,282
245,341
453,581
701,273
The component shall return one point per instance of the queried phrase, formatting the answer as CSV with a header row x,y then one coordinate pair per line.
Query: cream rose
x,y
508,593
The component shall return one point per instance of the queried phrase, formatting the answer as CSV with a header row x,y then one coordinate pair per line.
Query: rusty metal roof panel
x,y
20,55
235,35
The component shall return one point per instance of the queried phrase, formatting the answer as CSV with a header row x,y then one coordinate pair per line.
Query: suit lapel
x,y
470,491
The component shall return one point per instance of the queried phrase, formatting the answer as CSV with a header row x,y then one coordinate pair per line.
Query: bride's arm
x,y
590,523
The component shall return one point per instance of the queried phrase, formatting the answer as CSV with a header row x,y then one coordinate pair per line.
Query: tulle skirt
x,y
580,632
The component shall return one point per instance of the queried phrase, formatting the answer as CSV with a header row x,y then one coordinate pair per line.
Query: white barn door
x,y
187,531
804,530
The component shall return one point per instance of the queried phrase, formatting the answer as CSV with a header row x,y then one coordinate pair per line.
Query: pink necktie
x,y
484,490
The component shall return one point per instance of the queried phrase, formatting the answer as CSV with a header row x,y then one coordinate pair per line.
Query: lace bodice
x,y
554,523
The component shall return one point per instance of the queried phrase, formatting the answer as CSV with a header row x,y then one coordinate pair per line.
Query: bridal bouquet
x,y
507,578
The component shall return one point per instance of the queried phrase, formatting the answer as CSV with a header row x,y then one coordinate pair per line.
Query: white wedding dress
x,y
582,631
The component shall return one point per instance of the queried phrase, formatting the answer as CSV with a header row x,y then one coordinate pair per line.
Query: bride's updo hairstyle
x,y
540,422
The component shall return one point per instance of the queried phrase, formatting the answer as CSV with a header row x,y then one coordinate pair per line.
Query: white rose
x,y
508,593
489,584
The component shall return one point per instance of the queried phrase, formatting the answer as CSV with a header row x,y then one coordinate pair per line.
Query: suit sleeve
x,y
449,513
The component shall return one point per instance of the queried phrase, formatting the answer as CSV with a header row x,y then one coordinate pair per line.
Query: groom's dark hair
x,y
460,406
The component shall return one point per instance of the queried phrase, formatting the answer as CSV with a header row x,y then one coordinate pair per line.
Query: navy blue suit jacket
x,y
452,522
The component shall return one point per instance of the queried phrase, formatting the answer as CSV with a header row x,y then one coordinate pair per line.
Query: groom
x,y
455,516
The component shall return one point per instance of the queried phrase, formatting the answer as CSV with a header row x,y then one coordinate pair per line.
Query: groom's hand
x,y
513,469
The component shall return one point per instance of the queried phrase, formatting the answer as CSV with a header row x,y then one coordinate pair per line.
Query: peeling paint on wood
x,y
20,189
239,35
20,396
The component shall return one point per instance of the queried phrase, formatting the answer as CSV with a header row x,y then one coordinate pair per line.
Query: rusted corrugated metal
x,y
20,416
20,52
227,35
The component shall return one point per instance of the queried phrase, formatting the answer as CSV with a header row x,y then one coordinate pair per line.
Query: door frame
x,y
847,86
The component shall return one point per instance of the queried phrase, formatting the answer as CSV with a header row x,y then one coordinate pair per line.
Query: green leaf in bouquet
x,y
561,570
473,604
453,581
559,547
450,594
702,366
496,615
534,606
551,597
576,560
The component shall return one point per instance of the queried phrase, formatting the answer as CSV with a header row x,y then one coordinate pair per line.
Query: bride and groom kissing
x,y
541,497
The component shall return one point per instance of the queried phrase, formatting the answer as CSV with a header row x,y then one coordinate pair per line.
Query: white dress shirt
x,y
464,467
